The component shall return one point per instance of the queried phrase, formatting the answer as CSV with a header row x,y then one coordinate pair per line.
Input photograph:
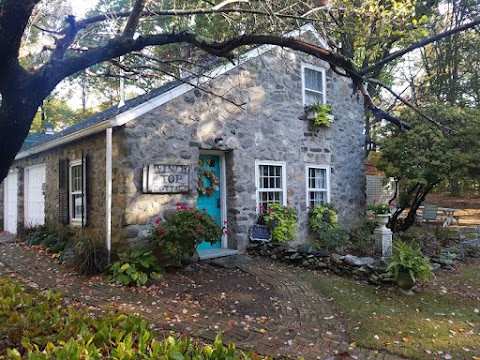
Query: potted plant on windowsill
x,y
321,114
408,266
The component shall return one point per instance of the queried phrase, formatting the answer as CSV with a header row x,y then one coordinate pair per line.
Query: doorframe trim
x,y
6,200
223,190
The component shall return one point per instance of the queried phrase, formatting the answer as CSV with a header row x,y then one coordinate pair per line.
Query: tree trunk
x,y
22,95
454,187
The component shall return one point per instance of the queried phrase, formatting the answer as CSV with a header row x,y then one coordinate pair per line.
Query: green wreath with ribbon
x,y
214,180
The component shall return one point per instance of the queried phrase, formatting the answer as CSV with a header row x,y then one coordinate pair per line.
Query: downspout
x,y
108,191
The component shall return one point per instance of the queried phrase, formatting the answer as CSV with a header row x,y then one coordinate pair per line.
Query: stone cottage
x,y
111,176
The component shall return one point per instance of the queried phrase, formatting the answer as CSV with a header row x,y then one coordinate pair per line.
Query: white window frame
x,y
327,182
324,83
283,175
76,220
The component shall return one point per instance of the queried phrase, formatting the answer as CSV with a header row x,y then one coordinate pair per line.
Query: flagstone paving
x,y
306,326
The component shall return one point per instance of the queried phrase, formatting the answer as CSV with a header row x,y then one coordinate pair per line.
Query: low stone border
x,y
366,269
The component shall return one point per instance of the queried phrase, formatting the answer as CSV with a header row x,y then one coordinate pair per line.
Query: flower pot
x,y
382,220
404,282
310,114
383,235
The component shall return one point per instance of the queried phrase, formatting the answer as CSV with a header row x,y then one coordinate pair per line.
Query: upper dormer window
x,y
313,80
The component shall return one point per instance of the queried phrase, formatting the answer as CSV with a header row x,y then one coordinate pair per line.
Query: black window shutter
x,y
85,189
63,197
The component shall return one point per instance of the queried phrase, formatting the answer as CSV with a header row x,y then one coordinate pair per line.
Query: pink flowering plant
x,y
176,239
380,208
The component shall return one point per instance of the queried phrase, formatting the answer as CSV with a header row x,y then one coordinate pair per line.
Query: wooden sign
x,y
166,179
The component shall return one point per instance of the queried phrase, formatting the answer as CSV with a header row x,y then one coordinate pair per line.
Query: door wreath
x,y
209,175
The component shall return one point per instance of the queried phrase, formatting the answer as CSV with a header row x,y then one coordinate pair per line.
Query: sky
x,y
81,6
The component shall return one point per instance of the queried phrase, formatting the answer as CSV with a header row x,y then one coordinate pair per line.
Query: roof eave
x,y
94,129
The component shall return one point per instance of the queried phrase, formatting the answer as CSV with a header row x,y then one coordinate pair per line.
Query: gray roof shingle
x,y
35,139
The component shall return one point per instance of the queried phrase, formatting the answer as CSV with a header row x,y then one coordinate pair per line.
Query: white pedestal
x,y
383,235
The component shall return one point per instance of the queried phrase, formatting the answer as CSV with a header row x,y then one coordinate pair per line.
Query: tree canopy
x,y
40,44
419,160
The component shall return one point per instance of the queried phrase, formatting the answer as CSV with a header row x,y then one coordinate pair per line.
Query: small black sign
x,y
259,233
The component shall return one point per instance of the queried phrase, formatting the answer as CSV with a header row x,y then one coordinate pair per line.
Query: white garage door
x,y
34,198
10,203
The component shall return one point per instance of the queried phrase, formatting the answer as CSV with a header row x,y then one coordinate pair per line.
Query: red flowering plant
x,y
176,239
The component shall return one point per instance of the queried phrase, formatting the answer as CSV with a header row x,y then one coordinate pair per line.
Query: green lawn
x,y
442,318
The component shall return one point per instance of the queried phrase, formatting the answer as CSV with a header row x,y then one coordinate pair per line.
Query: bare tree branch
x,y
63,44
99,18
228,2
411,106
418,45
379,113
133,19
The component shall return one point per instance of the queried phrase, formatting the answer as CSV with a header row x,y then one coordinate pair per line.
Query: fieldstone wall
x,y
94,148
270,126
373,271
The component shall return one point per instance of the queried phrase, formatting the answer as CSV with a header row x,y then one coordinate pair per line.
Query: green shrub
x,y
176,239
409,259
431,240
37,235
67,255
35,325
281,220
45,237
134,269
324,224
90,257
361,238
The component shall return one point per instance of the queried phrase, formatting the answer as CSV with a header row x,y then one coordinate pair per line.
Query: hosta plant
x,y
134,269
407,259
37,325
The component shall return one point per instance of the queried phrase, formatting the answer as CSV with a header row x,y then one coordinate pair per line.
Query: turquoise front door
x,y
209,192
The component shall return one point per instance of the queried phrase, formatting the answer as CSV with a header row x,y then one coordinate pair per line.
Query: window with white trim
x,y
318,185
77,192
313,81
271,183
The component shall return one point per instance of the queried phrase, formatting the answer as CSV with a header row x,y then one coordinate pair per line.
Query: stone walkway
x,y
307,327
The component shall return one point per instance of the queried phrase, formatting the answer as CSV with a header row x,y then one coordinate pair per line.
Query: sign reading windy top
x,y
166,179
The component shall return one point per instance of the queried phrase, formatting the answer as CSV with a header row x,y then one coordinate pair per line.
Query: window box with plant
x,y
321,114
281,220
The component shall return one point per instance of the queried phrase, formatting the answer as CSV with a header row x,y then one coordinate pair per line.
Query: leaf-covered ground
x,y
442,320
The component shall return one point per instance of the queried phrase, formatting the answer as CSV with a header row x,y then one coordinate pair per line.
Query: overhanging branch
x,y
418,45
410,105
